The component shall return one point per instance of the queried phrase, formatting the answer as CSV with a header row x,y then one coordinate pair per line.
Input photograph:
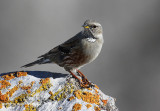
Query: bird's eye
x,y
94,26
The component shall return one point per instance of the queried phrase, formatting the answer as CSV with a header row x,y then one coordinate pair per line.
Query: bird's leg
x,y
85,81
75,76
79,80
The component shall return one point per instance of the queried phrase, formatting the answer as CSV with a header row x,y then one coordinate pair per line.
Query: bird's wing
x,y
65,47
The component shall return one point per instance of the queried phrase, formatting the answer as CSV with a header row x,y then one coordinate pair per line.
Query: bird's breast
x,y
82,54
92,49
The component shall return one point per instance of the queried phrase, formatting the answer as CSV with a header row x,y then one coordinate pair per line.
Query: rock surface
x,y
47,91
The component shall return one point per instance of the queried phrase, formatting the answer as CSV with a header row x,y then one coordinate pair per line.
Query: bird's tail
x,y
39,61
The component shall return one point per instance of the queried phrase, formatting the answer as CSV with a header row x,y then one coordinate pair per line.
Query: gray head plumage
x,y
91,27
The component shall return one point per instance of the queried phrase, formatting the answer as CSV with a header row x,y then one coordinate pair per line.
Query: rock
x,y
47,91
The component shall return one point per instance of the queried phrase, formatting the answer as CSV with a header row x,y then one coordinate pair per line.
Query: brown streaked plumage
x,y
76,52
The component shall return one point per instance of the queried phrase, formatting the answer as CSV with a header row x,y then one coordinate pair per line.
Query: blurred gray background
x,y
128,67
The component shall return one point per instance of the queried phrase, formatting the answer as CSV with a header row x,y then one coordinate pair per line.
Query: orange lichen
x,y
8,76
78,94
26,105
28,91
44,81
96,91
32,83
13,75
76,107
4,98
28,87
10,93
87,96
104,102
88,105
4,84
19,74
29,107
96,86
96,108
0,105
71,98
89,88
59,108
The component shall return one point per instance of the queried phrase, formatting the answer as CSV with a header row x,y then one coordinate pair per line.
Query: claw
x,y
85,83
75,76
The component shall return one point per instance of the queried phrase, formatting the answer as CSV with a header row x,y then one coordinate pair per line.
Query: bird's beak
x,y
86,26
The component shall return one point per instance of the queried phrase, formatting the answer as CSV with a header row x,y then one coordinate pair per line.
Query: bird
x,y
76,52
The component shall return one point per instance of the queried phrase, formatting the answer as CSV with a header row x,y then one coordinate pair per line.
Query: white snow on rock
x,y
47,91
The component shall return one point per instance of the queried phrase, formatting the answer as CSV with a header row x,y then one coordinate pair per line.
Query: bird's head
x,y
92,27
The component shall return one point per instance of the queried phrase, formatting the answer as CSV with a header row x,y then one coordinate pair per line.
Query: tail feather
x,y
39,61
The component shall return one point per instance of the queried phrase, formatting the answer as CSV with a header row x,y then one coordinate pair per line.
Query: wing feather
x,y
65,47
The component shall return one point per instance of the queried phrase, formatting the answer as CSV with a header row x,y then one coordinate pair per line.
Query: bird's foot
x,y
85,83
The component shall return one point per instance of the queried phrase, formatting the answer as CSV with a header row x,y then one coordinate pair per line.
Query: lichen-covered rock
x,y
46,91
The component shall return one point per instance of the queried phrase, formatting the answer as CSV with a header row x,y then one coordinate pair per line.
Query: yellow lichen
x,y
29,107
96,108
45,85
50,92
87,96
4,84
10,93
104,102
76,107
88,105
52,95
61,96
56,95
61,93
71,98
20,99
20,82
6,105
